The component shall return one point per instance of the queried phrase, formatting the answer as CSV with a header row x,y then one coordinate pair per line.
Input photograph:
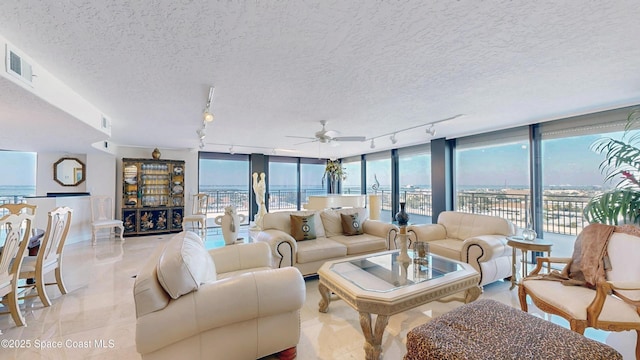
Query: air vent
x,y
105,123
18,67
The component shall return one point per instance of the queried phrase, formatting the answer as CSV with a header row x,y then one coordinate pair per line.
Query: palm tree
x,y
622,162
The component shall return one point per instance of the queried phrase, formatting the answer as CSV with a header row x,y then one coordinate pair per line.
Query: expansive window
x,y
492,175
18,176
353,183
378,179
225,178
283,183
414,174
311,173
571,175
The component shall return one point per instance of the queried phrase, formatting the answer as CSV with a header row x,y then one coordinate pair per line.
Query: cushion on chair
x,y
623,253
184,265
351,224
303,227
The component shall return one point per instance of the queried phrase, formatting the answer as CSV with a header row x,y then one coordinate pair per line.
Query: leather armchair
x,y
479,240
245,310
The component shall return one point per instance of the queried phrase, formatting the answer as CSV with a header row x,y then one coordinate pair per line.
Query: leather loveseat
x,y
479,240
225,303
330,242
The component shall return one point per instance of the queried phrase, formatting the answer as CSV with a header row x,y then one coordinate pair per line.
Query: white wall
x,y
44,174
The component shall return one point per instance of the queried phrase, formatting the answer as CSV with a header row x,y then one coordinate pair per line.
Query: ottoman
x,y
487,329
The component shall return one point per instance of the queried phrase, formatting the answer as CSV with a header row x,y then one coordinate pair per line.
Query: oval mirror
x,y
68,171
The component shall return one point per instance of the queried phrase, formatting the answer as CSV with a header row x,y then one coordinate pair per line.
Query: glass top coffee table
x,y
380,284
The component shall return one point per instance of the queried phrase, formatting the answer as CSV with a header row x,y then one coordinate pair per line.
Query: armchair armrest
x,y
540,261
283,246
483,248
426,232
380,229
242,256
220,303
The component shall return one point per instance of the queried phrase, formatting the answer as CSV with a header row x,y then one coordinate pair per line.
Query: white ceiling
x,y
368,67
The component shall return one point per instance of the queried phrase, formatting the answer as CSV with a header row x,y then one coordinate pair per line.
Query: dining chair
x,y
19,208
15,229
49,257
102,216
198,213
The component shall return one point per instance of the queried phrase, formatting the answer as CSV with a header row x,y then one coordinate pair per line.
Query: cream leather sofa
x,y
330,242
479,240
226,303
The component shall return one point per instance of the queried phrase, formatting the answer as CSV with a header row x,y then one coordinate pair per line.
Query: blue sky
x,y
19,168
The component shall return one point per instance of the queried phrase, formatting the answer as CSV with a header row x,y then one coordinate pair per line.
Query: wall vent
x,y
105,123
17,66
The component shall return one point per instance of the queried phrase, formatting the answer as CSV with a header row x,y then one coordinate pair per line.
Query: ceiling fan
x,y
325,136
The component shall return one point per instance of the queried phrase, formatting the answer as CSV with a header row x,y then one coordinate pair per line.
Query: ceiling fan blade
x,y
349,138
300,137
306,142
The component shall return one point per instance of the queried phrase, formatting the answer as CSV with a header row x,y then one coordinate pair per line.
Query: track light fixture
x,y
231,150
393,138
207,114
373,144
431,130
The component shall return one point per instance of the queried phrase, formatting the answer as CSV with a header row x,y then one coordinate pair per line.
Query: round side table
x,y
518,242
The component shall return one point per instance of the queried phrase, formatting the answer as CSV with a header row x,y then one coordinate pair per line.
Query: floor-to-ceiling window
x,y
18,176
414,174
311,173
378,170
492,174
352,184
571,173
283,183
225,177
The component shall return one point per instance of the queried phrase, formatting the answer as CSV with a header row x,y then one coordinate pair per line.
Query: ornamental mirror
x,y
68,171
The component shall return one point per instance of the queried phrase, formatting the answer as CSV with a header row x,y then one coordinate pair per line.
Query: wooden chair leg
x,y
288,354
59,282
522,296
40,288
14,309
121,232
637,344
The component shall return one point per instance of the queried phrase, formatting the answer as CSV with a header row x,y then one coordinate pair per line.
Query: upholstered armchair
x,y
479,240
226,303
611,303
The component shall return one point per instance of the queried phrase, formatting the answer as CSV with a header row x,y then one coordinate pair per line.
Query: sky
x,y
19,168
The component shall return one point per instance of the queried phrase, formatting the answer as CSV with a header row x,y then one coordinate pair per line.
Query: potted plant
x,y
333,172
622,162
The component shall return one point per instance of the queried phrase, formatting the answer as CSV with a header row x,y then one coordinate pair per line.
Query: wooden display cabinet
x,y
152,196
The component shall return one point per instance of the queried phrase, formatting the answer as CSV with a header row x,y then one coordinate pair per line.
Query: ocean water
x,y
9,192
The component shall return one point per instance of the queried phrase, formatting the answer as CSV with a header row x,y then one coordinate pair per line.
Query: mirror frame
x,y
55,171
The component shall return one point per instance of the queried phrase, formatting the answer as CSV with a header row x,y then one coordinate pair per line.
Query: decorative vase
x,y
156,154
403,256
529,234
230,224
402,217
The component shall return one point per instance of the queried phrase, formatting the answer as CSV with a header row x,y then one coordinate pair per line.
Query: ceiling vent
x,y
17,66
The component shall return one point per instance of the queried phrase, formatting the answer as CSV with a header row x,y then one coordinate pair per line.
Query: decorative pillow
x,y
333,223
184,265
303,227
350,224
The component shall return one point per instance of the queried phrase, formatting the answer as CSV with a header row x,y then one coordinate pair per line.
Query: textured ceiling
x,y
369,67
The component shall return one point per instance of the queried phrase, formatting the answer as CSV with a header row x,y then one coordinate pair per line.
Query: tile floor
x,y
99,309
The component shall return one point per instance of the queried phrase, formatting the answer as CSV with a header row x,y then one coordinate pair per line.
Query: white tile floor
x,y
99,307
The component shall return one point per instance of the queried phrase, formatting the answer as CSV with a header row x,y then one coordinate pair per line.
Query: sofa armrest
x,y
220,303
483,248
380,229
283,246
426,232
241,256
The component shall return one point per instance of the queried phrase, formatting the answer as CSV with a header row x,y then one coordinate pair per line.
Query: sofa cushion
x,y
351,224
463,225
303,227
332,222
319,249
450,248
184,265
148,294
360,244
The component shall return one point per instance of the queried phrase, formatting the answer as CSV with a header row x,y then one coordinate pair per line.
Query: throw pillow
x,y
350,224
303,227
184,265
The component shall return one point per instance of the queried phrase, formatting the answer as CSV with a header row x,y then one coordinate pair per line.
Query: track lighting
x,y
431,130
373,144
393,138
202,133
208,115
231,150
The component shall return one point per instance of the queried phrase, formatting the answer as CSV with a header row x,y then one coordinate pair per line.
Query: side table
x,y
518,242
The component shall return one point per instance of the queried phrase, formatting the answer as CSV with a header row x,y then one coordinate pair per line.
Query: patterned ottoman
x,y
487,329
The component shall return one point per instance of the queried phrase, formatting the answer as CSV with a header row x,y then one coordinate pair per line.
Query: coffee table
x,y
380,284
